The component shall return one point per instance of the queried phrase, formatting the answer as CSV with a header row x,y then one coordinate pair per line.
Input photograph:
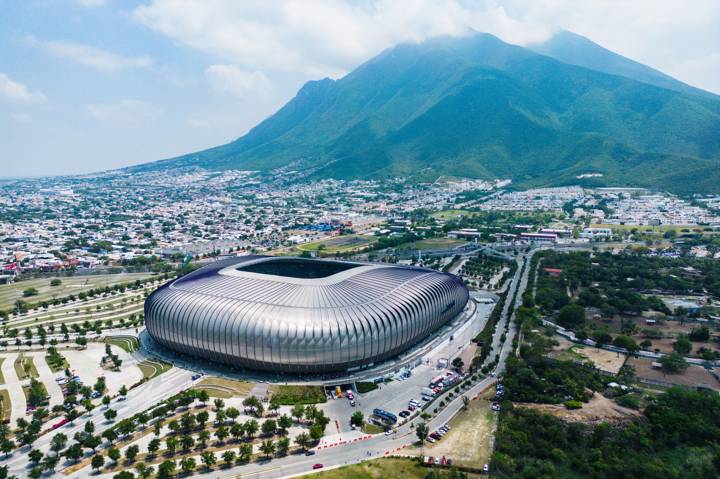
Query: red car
x,y
60,423
317,466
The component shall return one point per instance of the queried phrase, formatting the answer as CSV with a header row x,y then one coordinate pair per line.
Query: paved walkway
x,y
47,377
12,384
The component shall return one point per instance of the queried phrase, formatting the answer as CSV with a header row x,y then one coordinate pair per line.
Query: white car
x,y
388,432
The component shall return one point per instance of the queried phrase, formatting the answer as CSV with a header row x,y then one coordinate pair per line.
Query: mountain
x,y
569,47
479,107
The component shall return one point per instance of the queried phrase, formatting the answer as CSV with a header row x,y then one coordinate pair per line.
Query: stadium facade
x,y
300,315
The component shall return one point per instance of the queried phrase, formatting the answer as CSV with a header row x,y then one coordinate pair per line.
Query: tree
x,y
245,452
232,413
251,428
228,457
682,345
97,462
50,462
208,458
571,316
187,441
627,343
284,422
171,444
187,465
124,475
302,440
221,433
106,400
131,453
317,432
166,469
298,411
421,431
35,456
114,454
357,419
203,396
110,435
58,442
202,417
110,415
35,473
601,337
153,446
283,445
123,391
267,447
701,334
203,439
7,446
269,427
143,470
673,363
219,404
74,452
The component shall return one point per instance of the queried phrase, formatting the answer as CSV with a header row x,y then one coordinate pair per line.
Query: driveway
x,y
47,377
12,384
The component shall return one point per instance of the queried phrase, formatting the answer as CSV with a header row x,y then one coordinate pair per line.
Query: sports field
x,y
9,293
432,243
449,214
338,244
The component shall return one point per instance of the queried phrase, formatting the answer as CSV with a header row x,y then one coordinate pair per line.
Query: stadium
x,y
300,315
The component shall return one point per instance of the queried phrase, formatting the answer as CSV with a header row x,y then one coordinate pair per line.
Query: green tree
x,y
682,345
673,363
208,458
267,447
571,316
357,419
97,462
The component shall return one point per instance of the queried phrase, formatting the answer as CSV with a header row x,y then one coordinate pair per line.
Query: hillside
x,y
477,106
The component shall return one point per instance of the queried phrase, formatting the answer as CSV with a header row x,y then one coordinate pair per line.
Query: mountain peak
x,y
575,49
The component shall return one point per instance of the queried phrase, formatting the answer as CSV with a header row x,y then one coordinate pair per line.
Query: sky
x,y
92,85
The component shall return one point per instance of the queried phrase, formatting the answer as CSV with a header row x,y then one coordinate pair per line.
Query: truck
x,y
427,392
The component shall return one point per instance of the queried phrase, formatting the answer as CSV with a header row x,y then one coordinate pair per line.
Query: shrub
x,y
573,404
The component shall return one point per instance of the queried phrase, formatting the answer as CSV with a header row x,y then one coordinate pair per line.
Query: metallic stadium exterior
x,y
301,315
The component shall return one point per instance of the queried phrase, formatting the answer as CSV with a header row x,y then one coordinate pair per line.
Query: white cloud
x,y
16,91
236,81
128,113
90,56
317,38
330,37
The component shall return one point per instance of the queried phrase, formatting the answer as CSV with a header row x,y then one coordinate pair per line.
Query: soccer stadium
x,y
300,315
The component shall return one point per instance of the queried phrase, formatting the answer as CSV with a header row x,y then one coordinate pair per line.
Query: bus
x,y
387,416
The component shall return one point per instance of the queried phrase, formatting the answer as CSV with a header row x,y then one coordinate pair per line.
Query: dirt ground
x,y
602,359
693,375
469,441
598,409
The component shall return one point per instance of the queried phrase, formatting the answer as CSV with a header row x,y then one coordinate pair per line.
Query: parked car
x,y
309,452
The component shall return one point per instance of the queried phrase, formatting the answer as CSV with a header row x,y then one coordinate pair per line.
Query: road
x,y
381,445
179,379
138,399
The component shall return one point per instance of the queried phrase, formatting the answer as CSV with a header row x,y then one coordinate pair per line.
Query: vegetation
x,y
678,437
290,395
366,387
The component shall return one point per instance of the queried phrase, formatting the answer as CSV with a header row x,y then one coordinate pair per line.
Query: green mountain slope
x,y
480,107
569,47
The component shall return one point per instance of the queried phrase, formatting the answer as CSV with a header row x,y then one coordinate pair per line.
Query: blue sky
x,y
89,85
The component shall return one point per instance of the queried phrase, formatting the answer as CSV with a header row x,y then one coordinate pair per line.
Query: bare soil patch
x,y
693,376
598,409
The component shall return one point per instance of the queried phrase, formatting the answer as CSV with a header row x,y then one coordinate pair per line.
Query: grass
x,y
224,388
376,469
25,368
6,404
2,378
432,243
365,387
153,368
289,395
338,244
449,214
9,293
128,343
372,428
26,391
57,363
